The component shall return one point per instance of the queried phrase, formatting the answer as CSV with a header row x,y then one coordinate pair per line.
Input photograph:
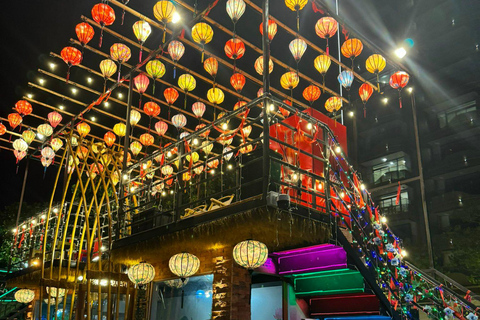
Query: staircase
x,y
9,307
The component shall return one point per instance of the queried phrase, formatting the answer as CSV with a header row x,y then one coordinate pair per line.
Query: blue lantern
x,y
346,79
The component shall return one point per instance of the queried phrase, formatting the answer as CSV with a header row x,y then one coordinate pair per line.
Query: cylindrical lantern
x,y
250,254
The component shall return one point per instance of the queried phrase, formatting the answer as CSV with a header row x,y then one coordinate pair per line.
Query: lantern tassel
x,y
119,69
140,56
68,75
298,20
104,85
123,16
364,111
203,54
164,32
400,98
328,49
183,293
101,38
185,101
175,71
153,87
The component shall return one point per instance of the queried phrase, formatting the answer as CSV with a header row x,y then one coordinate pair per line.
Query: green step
x,y
328,282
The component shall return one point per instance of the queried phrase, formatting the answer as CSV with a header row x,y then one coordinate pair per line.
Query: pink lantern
x,y
54,118
161,127
198,109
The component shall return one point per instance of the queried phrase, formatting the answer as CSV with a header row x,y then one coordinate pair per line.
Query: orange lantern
x,y
234,49
272,29
54,118
365,91
164,11
202,33
326,28
109,138
14,119
120,53
3,129
151,109
176,49
104,15
23,107
352,48
312,93
333,104
237,80
146,139
398,81
296,5
84,33
161,127
171,95
259,65
240,104
211,66
83,129
72,57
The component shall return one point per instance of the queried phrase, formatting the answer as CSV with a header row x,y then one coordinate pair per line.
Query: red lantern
x,y
151,109
14,119
83,129
23,107
283,111
272,29
141,83
72,57
3,129
201,126
146,139
365,91
109,138
54,118
171,95
161,127
104,15
198,109
398,81
237,80
84,33
312,93
234,49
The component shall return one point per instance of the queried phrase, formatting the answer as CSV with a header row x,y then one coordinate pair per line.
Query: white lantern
x,y
184,265
52,291
250,254
141,273
24,295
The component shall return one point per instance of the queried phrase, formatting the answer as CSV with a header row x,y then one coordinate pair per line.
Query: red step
x,y
351,304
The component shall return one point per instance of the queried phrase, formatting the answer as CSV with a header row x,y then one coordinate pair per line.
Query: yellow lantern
x,y
45,130
83,129
108,68
141,273
289,80
187,83
24,295
215,95
333,104
259,65
142,30
195,157
207,147
375,64
296,5
56,144
156,70
322,64
250,254
136,147
202,34
120,129
186,176
164,11
28,136
135,117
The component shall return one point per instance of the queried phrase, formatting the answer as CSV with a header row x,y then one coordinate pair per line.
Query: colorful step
x,y
328,282
360,318
345,304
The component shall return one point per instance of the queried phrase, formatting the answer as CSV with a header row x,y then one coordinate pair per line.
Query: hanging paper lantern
x,y
246,131
326,28
289,80
237,80
164,12
142,31
202,34
54,292
171,95
135,117
398,81
45,130
54,118
207,147
272,29
194,157
3,129
239,104
179,121
296,5
24,295
234,48
333,104
215,95
82,152
120,53
48,153
56,144
23,107
83,129
260,92
227,153
198,170
211,66
146,139
235,10
322,64
365,92
108,68
250,254
72,57
161,127
14,119
109,138
345,78
187,83
20,145
135,147
297,48
259,65
141,83
198,109
104,15
28,136
311,93
129,157
74,140
375,64
205,133
19,155
120,129
141,273
156,70
352,48
151,109
84,33
46,162
167,170
176,49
